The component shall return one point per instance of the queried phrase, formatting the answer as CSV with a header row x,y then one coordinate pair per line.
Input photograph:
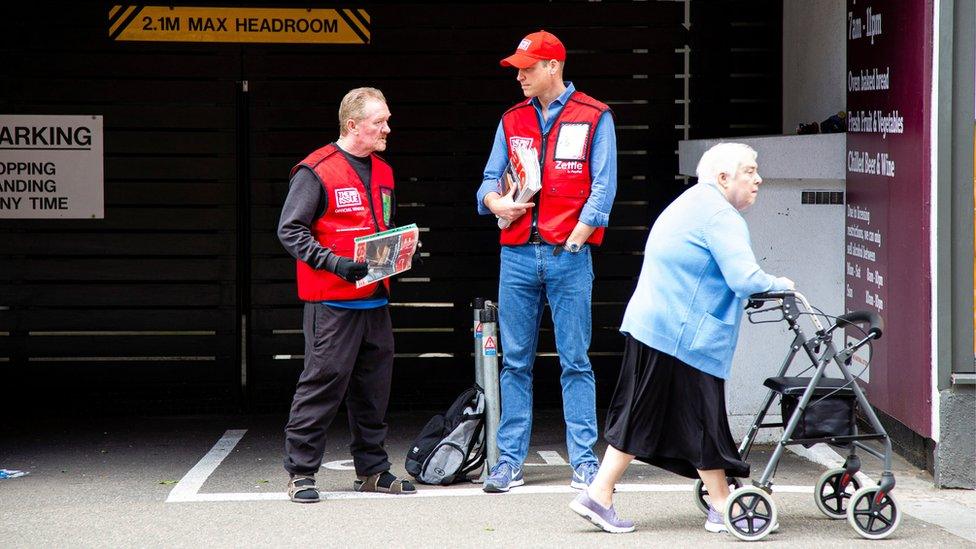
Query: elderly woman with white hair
x,y
681,328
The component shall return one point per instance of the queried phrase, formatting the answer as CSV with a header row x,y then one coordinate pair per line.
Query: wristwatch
x,y
572,247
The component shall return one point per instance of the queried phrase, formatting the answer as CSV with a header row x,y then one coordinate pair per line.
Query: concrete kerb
x,y
916,498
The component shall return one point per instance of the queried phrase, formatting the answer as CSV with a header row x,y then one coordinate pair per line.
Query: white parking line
x,y
950,515
550,457
442,492
188,488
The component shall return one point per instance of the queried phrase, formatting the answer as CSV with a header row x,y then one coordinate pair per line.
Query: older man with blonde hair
x,y
338,192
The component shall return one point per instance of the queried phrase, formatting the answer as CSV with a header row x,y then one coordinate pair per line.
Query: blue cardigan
x,y
698,269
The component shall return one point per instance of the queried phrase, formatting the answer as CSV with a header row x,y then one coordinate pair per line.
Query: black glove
x,y
416,260
350,270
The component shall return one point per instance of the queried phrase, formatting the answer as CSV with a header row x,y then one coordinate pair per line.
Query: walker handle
x,y
871,317
766,296
755,301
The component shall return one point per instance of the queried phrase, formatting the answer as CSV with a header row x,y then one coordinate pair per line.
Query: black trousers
x,y
348,353
672,415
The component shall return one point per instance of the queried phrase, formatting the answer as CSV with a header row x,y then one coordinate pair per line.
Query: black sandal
x,y
385,482
302,489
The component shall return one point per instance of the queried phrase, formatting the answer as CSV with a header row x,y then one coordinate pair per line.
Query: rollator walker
x,y
815,409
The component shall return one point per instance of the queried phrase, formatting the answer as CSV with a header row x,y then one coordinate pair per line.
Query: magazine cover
x,y
387,253
523,174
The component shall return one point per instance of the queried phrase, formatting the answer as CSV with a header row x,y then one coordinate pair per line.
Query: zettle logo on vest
x,y
569,166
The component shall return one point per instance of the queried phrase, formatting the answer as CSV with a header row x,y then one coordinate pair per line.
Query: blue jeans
x,y
531,275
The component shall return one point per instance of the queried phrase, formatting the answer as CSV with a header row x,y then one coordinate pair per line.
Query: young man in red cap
x,y
545,254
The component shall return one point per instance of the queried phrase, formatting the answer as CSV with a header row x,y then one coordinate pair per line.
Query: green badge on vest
x,y
387,205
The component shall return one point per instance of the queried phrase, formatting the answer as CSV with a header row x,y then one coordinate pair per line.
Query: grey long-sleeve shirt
x,y
306,202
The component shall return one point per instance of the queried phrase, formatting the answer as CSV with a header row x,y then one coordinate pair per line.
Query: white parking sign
x,y
51,166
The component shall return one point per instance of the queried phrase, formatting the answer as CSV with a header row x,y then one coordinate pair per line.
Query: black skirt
x,y
672,415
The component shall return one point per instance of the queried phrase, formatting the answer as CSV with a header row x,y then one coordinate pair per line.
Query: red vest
x,y
349,212
565,180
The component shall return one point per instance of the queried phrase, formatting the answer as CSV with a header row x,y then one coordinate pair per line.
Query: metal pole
x,y
479,359
489,351
479,370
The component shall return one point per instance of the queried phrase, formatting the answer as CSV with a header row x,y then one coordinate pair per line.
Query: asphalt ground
x,y
171,482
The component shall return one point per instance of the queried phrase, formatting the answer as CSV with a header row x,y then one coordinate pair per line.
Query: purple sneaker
x,y
715,523
605,518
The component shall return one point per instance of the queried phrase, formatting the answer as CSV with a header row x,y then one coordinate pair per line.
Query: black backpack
x,y
451,445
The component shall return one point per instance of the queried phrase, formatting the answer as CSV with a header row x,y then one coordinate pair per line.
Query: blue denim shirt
x,y
603,163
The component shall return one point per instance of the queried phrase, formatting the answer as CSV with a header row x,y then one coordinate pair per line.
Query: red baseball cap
x,y
538,46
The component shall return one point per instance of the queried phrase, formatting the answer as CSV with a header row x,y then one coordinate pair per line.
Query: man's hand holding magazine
x,y
504,206
521,182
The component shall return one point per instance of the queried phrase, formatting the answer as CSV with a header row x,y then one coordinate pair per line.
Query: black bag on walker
x,y
824,417
830,412
451,445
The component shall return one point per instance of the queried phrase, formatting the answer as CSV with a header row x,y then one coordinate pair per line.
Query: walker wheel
x,y
701,493
873,514
833,491
750,514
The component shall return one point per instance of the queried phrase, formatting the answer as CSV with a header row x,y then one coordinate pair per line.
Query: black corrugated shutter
x,y
142,309
438,67
138,308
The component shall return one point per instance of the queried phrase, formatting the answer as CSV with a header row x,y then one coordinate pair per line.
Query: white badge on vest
x,y
571,141
347,197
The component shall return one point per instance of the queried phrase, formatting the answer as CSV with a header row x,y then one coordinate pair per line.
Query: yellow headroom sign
x,y
179,24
